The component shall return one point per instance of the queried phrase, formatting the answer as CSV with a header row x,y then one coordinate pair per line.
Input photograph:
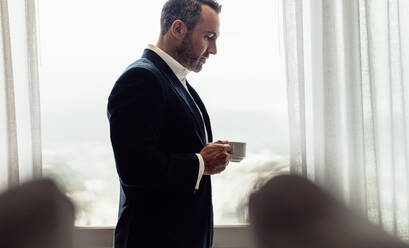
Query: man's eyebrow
x,y
212,33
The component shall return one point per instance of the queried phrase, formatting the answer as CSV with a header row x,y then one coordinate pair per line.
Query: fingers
x,y
229,156
220,169
224,156
229,149
222,142
217,156
217,169
225,146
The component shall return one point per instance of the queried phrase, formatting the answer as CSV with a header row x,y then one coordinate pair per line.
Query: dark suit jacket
x,y
156,130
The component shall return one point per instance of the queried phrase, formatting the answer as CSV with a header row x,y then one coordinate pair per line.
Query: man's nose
x,y
212,49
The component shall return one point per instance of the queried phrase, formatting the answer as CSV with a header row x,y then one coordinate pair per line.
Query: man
x,y
161,135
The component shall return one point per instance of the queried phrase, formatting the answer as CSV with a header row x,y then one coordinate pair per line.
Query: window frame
x,y
234,236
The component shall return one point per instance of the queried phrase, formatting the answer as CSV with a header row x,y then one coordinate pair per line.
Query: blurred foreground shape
x,y
292,212
36,215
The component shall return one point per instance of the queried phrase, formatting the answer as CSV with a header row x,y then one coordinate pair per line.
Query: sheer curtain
x,y
348,91
20,131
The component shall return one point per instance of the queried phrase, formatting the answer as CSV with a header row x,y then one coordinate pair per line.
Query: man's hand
x,y
216,157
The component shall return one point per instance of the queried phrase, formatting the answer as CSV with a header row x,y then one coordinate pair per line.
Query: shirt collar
x,y
179,70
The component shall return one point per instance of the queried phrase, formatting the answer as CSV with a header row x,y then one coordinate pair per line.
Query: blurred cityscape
x,y
86,171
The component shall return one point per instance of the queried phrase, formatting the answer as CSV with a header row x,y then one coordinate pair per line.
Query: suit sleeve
x,y
136,108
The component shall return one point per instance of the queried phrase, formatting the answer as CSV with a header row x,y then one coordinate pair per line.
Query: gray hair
x,y
188,11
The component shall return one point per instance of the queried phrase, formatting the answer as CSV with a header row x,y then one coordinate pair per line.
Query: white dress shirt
x,y
181,73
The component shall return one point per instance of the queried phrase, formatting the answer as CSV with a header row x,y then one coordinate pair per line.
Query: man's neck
x,y
167,49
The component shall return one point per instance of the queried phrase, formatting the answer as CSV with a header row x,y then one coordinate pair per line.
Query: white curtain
x,y
20,125
348,91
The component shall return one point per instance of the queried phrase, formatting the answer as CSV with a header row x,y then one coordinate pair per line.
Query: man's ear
x,y
178,29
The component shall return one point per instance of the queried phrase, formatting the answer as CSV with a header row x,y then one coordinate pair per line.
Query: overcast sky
x,y
86,45
99,38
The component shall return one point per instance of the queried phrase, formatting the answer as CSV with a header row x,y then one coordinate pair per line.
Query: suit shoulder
x,y
142,67
139,76
140,72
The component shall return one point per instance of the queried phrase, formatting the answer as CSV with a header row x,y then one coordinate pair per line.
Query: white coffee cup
x,y
238,151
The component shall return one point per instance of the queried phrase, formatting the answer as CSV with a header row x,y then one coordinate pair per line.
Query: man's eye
x,y
209,36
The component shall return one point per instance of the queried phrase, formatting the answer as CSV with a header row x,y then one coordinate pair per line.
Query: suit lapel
x,y
178,88
192,107
203,110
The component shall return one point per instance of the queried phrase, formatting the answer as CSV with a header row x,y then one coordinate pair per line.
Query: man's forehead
x,y
209,20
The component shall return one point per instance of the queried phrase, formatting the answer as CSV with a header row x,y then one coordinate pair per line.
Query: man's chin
x,y
197,67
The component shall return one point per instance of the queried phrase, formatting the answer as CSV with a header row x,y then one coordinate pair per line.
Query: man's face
x,y
200,42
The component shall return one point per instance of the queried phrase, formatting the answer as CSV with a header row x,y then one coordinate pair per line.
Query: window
x,y
86,45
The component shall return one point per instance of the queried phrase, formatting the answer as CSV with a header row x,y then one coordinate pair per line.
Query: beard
x,y
187,56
